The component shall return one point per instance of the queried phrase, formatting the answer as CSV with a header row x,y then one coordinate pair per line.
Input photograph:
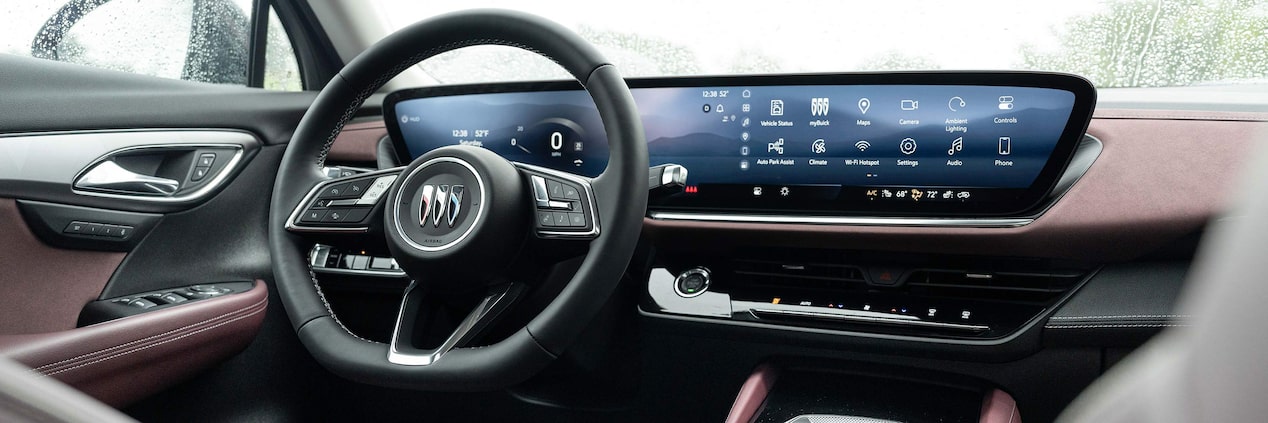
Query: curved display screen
x,y
898,144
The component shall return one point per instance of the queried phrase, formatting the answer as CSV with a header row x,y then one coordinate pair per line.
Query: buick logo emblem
x,y
440,203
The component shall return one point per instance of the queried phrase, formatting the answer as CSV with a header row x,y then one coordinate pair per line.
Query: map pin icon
x,y
864,103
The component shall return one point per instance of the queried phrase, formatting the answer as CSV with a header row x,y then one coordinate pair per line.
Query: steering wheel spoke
x,y
563,204
345,205
410,322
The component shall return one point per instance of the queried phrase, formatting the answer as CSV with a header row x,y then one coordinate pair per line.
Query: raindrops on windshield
x,y
1115,43
1163,43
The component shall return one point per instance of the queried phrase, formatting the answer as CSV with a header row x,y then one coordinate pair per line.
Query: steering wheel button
x,y
556,189
545,219
561,219
336,216
358,188
313,216
577,220
334,191
539,190
377,189
356,215
571,193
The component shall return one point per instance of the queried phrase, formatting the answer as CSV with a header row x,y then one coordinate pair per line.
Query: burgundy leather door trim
x,y
124,360
42,288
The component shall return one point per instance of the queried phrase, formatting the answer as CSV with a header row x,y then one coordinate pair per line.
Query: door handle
x,y
108,175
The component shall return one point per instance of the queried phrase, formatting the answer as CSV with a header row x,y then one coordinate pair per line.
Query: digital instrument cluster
x,y
925,144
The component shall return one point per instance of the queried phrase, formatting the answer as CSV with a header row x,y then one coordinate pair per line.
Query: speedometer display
x,y
904,144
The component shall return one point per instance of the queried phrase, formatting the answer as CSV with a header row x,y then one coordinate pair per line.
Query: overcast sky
x,y
808,35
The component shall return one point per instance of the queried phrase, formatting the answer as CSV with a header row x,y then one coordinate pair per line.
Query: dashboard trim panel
x,y
845,220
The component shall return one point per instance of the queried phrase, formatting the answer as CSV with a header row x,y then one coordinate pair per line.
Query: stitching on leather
x,y
154,337
322,295
62,365
1134,325
1126,316
121,354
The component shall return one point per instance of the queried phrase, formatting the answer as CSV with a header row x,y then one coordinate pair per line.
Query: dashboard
x,y
901,144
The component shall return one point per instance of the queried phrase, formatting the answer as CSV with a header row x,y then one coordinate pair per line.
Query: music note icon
x,y
957,145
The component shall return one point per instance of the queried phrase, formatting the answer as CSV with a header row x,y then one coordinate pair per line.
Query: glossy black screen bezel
x,y
1028,201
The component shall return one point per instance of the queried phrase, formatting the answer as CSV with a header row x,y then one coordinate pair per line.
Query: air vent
x,y
924,296
1037,288
805,275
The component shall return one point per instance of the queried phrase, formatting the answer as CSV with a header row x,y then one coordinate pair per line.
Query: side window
x,y
281,69
196,40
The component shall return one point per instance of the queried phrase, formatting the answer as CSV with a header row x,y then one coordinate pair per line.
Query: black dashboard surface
x,y
923,144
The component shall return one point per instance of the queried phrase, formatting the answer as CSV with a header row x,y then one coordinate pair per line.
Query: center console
x,y
779,393
948,299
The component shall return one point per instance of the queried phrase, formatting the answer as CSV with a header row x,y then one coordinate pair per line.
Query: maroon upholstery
x,y
999,407
42,289
752,397
124,360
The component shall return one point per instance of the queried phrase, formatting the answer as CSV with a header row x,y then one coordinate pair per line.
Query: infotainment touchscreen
x,y
891,144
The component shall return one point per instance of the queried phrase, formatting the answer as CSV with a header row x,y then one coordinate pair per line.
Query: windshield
x,y
1115,43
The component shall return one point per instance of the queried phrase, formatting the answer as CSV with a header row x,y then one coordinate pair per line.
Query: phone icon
x,y
1005,146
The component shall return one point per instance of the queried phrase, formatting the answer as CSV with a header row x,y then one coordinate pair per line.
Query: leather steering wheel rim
x,y
531,348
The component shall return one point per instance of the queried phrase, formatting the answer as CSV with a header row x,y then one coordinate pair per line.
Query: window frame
x,y
316,55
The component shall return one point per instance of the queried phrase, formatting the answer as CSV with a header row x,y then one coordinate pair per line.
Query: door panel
x,y
124,360
56,119
223,239
57,166
43,288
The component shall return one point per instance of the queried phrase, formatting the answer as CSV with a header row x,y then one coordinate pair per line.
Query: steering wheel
x,y
456,217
